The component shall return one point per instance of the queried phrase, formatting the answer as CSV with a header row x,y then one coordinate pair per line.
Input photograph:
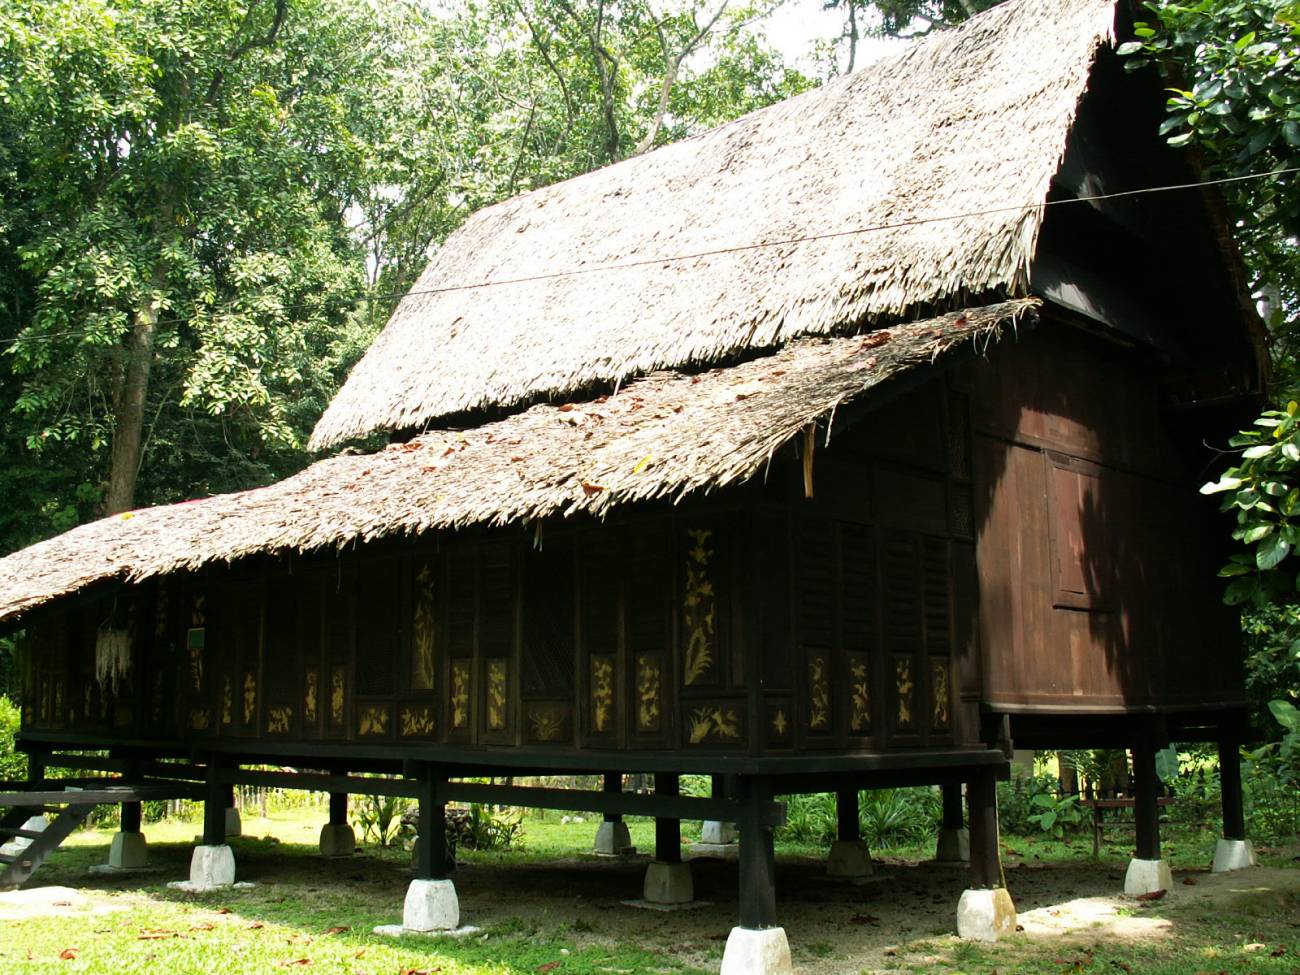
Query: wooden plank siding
x,y
1097,557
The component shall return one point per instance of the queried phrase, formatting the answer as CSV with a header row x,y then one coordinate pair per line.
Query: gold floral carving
x,y
417,720
250,697
545,723
714,722
227,703
903,679
602,694
278,720
194,641
859,696
700,605
199,719
310,696
460,694
939,687
496,695
819,693
648,702
780,723
422,631
373,720
338,688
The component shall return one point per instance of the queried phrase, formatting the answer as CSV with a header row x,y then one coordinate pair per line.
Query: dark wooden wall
x,y
758,621
1097,556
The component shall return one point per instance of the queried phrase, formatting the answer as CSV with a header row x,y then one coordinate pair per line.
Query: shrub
x,y
380,818
13,764
886,817
1018,801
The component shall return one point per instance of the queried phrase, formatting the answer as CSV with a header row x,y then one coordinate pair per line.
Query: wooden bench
x,y
1099,806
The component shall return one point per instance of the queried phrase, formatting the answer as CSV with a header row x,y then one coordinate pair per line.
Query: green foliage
x,y
886,817
1056,814
13,764
1018,800
482,827
379,818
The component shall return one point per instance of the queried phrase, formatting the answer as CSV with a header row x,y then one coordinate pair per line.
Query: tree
x,y
177,186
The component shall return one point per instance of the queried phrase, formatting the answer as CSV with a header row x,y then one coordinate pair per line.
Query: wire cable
x,y
741,248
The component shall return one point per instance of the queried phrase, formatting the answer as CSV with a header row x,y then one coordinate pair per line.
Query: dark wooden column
x,y
215,803
338,809
953,815
431,852
757,859
1146,810
668,832
613,783
847,825
132,814
985,857
36,761
1234,814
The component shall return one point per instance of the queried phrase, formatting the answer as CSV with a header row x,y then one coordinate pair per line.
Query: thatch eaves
x,y
971,120
661,436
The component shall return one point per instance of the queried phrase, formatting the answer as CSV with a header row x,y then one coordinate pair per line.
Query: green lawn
x,y
549,907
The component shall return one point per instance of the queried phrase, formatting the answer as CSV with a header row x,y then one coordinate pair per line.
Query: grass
x,y
547,908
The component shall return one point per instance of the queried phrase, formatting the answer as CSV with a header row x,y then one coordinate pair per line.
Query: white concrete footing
x,y
1147,876
953,845
669,883
715,833
234,825
128,851
985,915
849,859
613,840
431,905
750,952
212,866
337,840
1234,855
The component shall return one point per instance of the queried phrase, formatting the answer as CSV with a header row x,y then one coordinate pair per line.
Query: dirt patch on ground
x,y
20,905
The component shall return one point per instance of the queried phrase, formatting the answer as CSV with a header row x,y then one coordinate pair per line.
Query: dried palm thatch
x,y
971,120
661,436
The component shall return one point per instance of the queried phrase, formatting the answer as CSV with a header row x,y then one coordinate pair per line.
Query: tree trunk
x,y
128,432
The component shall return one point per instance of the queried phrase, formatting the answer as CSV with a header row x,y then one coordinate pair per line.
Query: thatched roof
x,y
661,436
969,120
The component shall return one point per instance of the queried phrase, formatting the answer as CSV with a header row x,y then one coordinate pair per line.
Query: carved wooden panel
x,y
601,685
496,688
424,626
859,668
379,611
700,665
417,720
820,716
460,694
649,693
715,722
550,607
779,722
548,722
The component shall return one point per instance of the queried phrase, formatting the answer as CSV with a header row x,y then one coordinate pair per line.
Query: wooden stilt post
x,y
613,783
985,857
214,805
1234,816
431,857
1146,810
953,815
668,832
132,814
757,857
338,809
847,826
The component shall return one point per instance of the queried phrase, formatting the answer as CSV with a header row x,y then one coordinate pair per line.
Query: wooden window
x,y
1080,548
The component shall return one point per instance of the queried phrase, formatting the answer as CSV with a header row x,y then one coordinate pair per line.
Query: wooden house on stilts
x,y
839,447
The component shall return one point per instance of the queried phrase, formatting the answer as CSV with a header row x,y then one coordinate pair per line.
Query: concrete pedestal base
x,y
985,915
337,840
234,825
431,905
1147,876
953,845
715,833
849,859
1234,855
613,840
669,883
128,851
212,866
749,952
